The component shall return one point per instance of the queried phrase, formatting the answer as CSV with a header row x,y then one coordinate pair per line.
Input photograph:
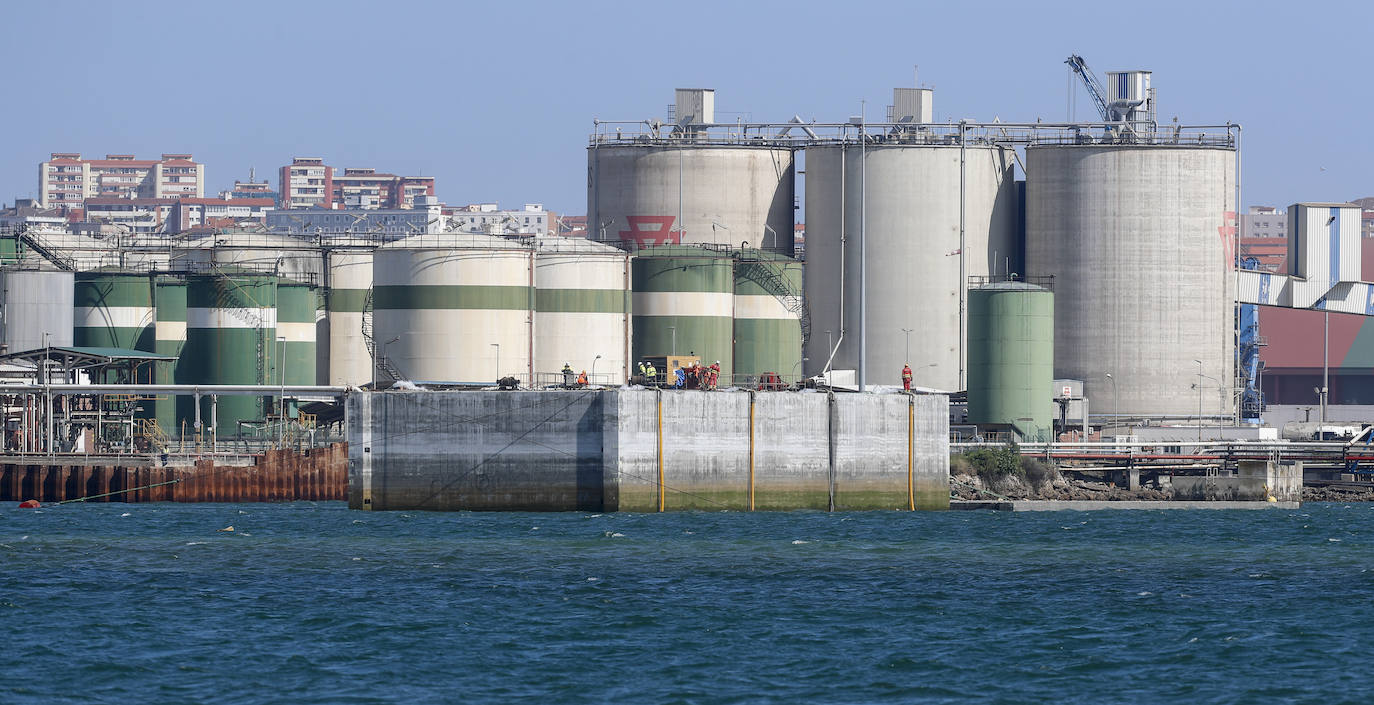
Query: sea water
x,y
314,603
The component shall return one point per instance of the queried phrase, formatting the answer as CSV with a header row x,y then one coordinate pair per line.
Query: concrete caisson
x,y
903,202
726,195
1137,239
231,328
767,313
1011,357
456,305
582,309
684,304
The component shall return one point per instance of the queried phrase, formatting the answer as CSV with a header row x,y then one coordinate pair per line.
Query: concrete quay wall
x,y
646,450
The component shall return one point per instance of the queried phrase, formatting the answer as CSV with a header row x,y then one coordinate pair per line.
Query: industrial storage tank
x,y
169,335
283,255
35,307
684,304
454,307
297,303
903,202
768,308
113,309
691,182
231,330
1138,239
348,279
582,310
1011,357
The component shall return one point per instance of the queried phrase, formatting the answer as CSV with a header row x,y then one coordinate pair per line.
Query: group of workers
x,y
692,377
569,380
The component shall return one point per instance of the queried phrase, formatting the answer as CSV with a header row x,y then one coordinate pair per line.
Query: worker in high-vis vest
x,y
650,374
906,376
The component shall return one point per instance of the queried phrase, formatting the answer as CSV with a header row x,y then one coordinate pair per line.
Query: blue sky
x,y
496,99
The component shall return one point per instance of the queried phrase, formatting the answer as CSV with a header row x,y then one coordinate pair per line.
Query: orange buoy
x,y
29,504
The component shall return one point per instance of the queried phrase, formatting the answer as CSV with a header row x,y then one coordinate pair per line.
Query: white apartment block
x,y
66,180
488,218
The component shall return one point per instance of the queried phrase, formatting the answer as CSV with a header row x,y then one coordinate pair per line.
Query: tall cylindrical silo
x,y
37,307
582,309
349,278
231,330
902,202
1011,357
767,312
169,302
1137,240
113,309
456,307
670,191
684,304
296,305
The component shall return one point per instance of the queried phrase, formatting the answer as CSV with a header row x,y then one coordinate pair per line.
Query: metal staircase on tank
x,y
36,243
771,280
383,366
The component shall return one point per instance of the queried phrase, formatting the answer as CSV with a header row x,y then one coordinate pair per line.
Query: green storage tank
x,y
231,333
297,304
113,309
1011,357
169,301
767,313
684,297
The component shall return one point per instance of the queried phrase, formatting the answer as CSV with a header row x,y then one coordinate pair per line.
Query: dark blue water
x,y
313,603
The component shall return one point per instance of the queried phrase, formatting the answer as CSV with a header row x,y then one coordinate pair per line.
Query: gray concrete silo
x,y
905,200
1137,240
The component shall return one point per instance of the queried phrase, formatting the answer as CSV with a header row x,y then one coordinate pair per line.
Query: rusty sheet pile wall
x,y
275,476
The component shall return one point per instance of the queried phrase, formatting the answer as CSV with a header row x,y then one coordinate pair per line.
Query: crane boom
x,y
1080,67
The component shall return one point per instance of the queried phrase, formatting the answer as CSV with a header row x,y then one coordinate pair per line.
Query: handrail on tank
x,y
904,133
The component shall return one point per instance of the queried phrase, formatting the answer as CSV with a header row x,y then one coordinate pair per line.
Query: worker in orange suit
x,y
582,379
906,376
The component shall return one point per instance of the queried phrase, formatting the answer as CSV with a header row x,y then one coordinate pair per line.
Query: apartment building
x,y
66,180
308,182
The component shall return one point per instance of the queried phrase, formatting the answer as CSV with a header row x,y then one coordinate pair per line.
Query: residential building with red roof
x,y
66,180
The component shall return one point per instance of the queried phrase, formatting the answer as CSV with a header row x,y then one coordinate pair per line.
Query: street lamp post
x,y
593,379
1201,377
673,349
498,361
799,362
908,345
1199,400
1116,400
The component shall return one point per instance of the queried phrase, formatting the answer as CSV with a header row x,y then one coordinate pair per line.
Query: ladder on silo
x,y
384,365
771,280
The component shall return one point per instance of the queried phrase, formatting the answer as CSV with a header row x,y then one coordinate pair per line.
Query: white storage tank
x,y
582,309
1138,240
343,349
726,194
459,307
904,198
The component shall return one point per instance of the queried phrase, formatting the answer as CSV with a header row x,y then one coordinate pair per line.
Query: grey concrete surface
x,y
606,451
